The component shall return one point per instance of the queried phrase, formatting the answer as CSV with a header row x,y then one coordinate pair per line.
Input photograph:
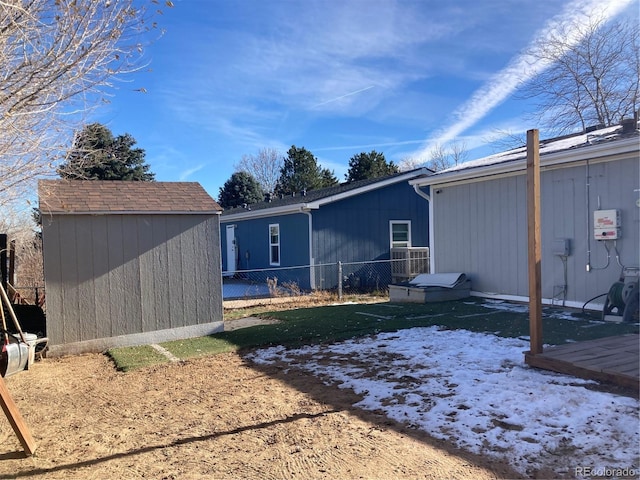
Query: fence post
x,y
339,280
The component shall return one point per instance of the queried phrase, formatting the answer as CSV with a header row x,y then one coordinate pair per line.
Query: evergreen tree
x,y
241,188
98,155
369,165
301,172
59,58
328,178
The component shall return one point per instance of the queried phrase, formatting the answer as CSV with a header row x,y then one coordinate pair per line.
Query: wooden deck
x,y
613,360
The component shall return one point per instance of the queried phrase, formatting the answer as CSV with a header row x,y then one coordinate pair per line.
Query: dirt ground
x,y
216,417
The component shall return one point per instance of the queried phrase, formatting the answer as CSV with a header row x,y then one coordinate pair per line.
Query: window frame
x,y
276,245
400,222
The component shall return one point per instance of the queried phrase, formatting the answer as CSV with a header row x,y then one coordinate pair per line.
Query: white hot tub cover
x,y
447,280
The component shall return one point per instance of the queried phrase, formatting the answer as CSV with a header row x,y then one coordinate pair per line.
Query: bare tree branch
x,y
58,59
20,230
438,158
502,140
441,157
458,152
593,82
265,167
409,163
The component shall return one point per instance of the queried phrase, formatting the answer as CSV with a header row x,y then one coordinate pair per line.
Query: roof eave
x,y
265,212
592,152
131,212
373,186
316,204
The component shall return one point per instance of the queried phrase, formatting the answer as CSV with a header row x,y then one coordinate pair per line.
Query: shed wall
x,y
113,275
480,228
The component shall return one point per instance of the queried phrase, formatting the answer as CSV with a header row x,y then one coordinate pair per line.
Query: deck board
x,y
613,360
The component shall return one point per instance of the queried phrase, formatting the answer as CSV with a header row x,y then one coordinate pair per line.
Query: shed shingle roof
x,y
95,196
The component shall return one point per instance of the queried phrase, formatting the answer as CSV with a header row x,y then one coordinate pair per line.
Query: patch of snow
x,y
506,307
474,390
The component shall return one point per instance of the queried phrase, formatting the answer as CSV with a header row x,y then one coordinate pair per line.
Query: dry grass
x,y
234,309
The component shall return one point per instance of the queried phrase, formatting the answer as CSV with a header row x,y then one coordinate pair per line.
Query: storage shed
x,y
129,263
478,214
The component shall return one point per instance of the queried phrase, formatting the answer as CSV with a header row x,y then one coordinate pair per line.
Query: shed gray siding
x,y
123,274
481,228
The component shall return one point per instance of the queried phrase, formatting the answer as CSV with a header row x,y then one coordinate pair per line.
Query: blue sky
x,y
336,77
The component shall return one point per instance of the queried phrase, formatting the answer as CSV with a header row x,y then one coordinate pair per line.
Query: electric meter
x,y
606,224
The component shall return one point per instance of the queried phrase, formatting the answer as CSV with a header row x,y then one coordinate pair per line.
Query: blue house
x,y
313,231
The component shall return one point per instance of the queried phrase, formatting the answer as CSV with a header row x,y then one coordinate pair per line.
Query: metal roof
x,y
603,143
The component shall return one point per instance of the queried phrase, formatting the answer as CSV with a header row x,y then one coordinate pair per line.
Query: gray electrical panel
x,y
561,247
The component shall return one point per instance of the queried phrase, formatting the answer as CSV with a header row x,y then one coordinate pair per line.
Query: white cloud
x,y
185,174
523,66
334,77
303,55
368,146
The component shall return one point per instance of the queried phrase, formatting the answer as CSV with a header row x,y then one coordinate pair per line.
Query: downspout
x,y
312,277
427,197
587,193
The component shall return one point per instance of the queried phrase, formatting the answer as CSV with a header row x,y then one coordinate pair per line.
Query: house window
x,y
400,233
274,244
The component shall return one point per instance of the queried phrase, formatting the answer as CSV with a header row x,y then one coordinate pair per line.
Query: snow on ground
x,y
236,289
474,390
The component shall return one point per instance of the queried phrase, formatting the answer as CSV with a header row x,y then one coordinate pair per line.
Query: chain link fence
x,y
341,278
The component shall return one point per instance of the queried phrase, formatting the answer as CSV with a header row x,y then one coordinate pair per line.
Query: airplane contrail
x,y
368,145
344,96
187,173
519,69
